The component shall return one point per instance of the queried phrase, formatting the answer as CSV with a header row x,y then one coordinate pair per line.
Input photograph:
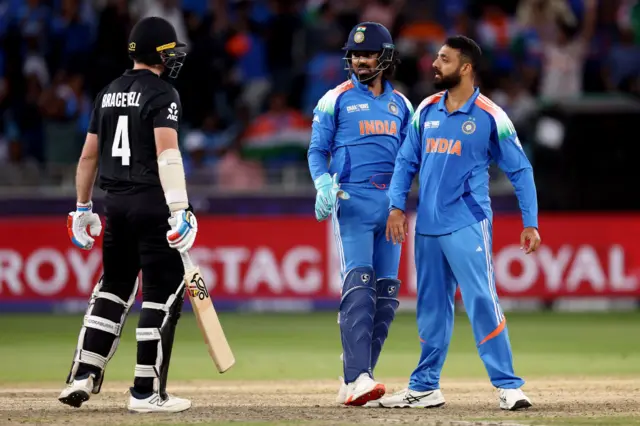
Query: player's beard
x,y
368,77
448,82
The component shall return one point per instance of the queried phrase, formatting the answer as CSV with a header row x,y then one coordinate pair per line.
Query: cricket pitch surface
x,y
469,402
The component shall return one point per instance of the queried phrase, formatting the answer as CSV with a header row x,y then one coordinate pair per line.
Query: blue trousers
x,y
442,262
359,227
369,269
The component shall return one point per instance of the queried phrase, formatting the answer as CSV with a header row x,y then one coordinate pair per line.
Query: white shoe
x,y
513,399
155,404
77,392
407,398
363,390
342,393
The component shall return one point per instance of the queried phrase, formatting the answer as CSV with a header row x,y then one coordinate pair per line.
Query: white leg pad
x,y
151,334
103,324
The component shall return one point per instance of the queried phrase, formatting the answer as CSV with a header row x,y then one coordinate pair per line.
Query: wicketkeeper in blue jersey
x,y
358,128
453,137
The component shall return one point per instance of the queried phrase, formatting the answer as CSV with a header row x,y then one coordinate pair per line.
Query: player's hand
x,y
529,240
397,226
184,228
77,223
328,192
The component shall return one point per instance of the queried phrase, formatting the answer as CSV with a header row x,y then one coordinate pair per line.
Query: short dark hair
x,y
469,49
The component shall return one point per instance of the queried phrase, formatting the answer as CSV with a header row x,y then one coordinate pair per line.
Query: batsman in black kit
x,y
132,147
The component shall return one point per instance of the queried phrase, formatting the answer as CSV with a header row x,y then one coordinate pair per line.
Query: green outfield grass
x,y
37,348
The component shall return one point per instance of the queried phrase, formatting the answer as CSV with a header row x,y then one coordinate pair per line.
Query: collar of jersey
x,y
464,109
386,86
137,72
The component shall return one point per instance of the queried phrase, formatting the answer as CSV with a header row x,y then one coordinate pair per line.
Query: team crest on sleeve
x,y
393,108
468,127
173,112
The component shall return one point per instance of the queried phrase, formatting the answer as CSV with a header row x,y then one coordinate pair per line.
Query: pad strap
x,y
147,334
92,358
112,297
103,324
145,371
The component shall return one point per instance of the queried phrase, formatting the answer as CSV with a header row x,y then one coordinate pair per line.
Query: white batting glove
x,y
184,228
77,223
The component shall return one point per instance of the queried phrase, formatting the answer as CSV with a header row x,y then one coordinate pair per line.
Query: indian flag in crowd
x,y
282,136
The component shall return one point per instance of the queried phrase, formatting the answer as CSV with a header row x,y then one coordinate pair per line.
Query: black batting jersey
x,y
124,116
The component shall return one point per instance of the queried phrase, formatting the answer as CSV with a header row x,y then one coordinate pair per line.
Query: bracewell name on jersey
x,y
121,100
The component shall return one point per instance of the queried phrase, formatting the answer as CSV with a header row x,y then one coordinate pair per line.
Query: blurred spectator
x,y
325,69
247,45
169,10
205,146
565,52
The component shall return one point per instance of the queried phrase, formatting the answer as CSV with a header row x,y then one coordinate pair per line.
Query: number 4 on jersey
x,y
120,147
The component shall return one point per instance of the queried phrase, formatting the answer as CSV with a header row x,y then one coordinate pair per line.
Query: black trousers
x,y
134,241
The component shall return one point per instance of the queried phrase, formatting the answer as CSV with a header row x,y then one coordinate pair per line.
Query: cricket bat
x,y
206,315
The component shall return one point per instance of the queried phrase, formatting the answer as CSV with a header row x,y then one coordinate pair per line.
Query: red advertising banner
x,y
294,258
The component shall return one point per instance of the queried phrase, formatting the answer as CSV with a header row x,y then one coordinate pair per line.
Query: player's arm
x,y
507,152
406,120
86,172
323,130
166,121
87,169
407,165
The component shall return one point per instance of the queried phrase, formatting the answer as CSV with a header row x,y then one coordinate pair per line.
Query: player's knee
x,y
118,287
359,278
481,303
388,289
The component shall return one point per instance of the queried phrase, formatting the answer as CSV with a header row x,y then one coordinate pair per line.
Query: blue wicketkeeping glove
x,y
328,193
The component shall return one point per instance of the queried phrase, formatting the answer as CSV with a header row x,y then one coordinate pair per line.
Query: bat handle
x,y
186,261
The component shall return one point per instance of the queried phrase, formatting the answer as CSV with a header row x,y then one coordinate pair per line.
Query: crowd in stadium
x,y
256,68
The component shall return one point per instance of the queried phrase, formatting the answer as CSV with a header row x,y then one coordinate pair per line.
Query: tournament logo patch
x,y
468,127
393,108
358,37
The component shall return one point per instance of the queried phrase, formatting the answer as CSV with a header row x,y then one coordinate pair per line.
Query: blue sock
x,y
357,309
386,307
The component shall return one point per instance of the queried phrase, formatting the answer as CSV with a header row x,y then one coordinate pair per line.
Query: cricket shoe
x,y
342,393
363,390
407,398
77,391
154,403
513,399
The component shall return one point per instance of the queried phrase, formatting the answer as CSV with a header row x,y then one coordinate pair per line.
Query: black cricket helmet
x,y
370,37
153,41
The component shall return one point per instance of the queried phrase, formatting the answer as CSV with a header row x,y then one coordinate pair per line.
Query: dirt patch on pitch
x,y
311,402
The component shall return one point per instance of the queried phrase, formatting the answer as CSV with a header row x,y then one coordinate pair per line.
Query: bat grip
x,y
186,261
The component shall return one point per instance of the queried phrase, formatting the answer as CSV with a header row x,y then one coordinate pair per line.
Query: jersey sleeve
x,y
166,110
507,152
407,164
323,129
408,113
